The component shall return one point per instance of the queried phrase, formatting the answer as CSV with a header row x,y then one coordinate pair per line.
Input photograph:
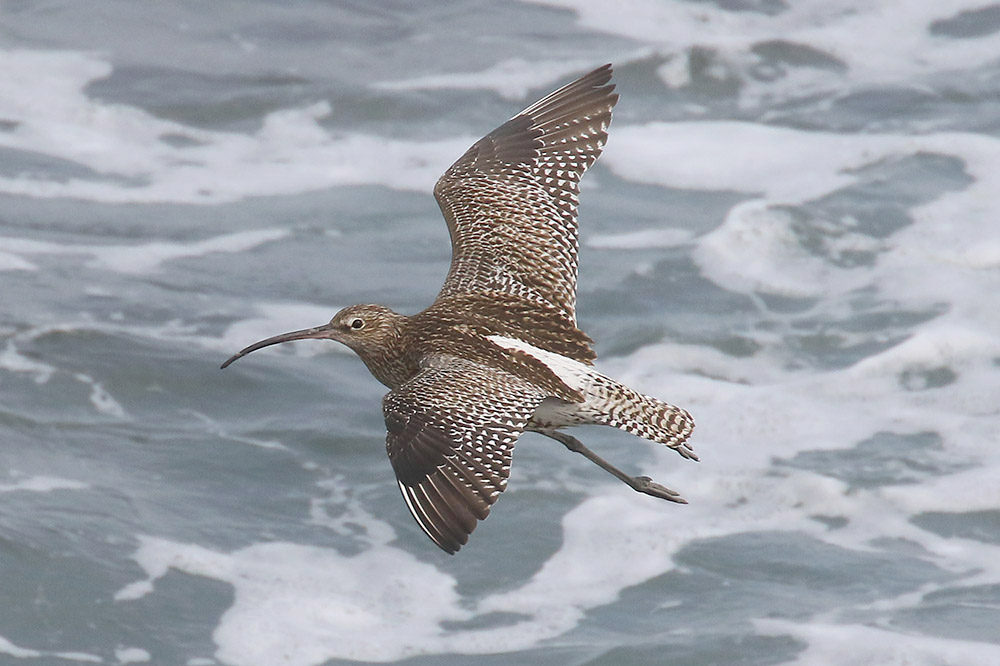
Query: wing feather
x,y
511,200
450,436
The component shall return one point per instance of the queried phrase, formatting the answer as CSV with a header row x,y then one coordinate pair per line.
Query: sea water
x,y
793,233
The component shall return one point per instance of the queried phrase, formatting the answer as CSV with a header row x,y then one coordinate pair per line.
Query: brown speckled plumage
x,y
499,352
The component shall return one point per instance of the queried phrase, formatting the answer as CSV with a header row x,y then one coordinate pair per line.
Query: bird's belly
x,y
554,413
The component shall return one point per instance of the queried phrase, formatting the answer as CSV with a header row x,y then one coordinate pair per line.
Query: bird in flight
x,y
499,352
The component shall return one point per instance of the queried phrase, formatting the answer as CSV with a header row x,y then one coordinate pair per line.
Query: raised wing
x,y
451,433
510,201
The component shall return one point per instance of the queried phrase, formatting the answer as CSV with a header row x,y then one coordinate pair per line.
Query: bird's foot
x,y
644,484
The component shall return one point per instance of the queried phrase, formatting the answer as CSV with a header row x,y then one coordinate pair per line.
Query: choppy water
x,y
793,233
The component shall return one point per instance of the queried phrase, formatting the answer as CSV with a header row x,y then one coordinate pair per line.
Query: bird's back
x,y
462,325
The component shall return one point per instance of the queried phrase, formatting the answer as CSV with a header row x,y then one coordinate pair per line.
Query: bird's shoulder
x,y
469,325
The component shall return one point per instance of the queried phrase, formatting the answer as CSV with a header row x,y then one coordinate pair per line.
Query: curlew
x,y
499,351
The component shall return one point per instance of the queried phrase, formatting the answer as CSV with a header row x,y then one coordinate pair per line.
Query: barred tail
x,y
652,419
606,401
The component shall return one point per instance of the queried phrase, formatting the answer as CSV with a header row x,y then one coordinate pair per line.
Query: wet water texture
x,y
792,234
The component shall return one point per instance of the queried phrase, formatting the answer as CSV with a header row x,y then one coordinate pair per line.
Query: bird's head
x,y
366,329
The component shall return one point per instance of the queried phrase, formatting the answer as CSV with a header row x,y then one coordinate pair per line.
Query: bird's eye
x,y
357,323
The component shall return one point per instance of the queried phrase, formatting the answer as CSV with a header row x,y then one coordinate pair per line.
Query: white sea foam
x,y
12,262
302,604
125,149
144,257
6,647
377,532
131,655
946,252
42,484
859,644
744,426
512,79
213,427
644,239
778,163
100,398
612,541
12,360
16,651
851,35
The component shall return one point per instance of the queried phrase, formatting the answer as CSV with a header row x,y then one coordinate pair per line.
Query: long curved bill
x,y
304,334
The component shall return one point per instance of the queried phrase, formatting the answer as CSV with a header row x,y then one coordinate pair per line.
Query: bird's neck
x,y
388,361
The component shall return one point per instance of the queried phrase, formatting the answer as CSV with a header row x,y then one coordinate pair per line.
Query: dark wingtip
x,y
603,75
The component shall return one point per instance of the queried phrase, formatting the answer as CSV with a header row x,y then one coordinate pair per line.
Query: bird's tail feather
x,y
651,419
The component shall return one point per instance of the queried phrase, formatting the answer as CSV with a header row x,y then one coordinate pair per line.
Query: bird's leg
x,y
642,484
